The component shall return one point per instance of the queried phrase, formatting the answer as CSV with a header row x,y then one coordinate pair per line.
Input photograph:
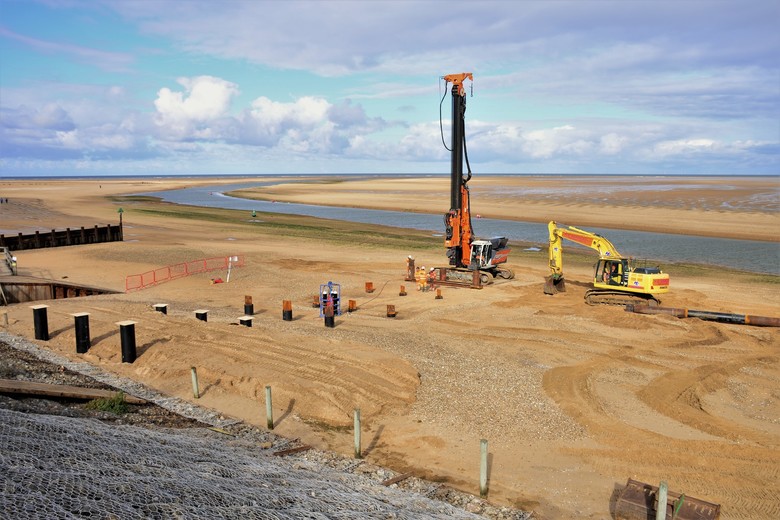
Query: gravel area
x,y
463,383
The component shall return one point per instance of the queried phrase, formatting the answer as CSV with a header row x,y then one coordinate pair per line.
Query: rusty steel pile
x,y
723,317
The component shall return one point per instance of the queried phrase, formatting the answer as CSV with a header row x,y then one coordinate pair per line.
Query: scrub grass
x,y
297,226
115,404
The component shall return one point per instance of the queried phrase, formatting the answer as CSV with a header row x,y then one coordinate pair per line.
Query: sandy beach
x,y
573,399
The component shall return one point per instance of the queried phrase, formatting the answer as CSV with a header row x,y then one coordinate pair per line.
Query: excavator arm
x,y
594,241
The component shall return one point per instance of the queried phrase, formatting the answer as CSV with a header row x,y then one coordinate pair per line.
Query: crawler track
x,y
605,297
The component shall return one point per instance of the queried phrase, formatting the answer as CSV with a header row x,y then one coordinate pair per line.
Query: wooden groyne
x,y
67,237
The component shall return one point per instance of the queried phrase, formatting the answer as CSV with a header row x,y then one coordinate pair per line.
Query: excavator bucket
x,y
639,501
554,286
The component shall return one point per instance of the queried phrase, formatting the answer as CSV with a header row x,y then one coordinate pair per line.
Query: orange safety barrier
x,y
136,282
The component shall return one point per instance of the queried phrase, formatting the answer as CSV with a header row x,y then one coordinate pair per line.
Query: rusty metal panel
x,y
20,292
638,501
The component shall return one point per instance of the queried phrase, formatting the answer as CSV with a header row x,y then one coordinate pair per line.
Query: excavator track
x,y
506,274
461,277
606,297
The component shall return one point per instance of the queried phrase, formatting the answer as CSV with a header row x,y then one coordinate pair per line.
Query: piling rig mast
x,y
465,253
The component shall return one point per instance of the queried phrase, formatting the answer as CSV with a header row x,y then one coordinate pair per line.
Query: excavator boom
x,y
588,239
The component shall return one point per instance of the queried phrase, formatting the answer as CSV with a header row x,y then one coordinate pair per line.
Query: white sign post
x,y
230,266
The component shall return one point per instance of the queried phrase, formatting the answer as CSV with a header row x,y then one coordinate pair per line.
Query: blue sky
x,y
102,87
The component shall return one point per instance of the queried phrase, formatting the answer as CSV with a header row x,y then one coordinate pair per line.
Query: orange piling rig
x,y
465,252
457,221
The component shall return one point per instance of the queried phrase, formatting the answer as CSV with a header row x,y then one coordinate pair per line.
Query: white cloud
x,y
50,116
612,143
685,146
546,142
308,125
273,117
204,99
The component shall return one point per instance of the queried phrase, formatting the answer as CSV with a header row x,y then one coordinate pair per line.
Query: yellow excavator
x,y
616,280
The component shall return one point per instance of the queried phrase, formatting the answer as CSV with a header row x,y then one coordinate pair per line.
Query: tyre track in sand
x,y
736,467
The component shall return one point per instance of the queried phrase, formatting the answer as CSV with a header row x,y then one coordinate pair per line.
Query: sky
x,y
185,87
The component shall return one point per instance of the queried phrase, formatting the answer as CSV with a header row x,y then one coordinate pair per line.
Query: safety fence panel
x,y
133,283
136,282
178,271
147,279
198,266
163,274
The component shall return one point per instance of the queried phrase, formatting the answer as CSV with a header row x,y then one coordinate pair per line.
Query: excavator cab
x,y
612,272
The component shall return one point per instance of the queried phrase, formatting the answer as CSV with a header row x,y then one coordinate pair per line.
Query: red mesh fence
x,y
135,282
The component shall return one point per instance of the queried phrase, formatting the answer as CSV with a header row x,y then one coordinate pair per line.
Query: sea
x,y
652,248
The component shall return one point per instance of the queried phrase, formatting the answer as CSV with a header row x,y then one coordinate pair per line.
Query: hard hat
x,y
423,267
